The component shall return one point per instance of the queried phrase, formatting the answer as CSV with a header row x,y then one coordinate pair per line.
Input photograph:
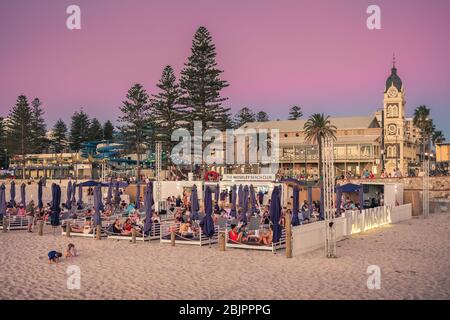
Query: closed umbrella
x,y
194,203
2,201
207,223
117,194
253,199
295,206
138,195
22,194
40,203
80,196
322,205
275,213
109,196
97,220
69,195
233,202
245,199
56,200
240,196
148,203
12,193
217,193
74,191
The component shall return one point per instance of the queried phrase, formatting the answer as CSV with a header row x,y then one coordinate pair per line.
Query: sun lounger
x,y
249,245
15,222
79,222
154,234
198,239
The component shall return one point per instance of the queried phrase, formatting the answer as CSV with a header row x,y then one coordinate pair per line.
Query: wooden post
x,y
222,241
5,223
288,236
68,229
41,227
98,234
133,235
172,238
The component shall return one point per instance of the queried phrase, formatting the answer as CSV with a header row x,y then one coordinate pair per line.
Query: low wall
x,y
309,237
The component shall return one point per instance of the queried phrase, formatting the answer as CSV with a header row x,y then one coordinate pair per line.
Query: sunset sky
x,y
275,53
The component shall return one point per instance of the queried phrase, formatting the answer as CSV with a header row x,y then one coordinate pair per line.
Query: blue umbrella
x,y
194,203
245,199
261,197
207,223
148,203
22,194
217,193
12,194
69,195
80,196
40,203
275,213
338,197
253,199
97,219
74,191
295,205
138,195
109,196
361,197
2,201
223,195
310,208
233,202
56,210
240,196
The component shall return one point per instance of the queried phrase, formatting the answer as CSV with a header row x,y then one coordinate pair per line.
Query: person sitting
x,y
130,209
266,237
135,218
71,251
21,211
116,228
123,205
155,217
186,230
86,228
127,228
233,235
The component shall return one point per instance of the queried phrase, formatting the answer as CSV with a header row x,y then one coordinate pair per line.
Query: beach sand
x,y
414,257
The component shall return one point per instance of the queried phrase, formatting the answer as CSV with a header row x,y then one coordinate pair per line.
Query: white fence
x,y
309,237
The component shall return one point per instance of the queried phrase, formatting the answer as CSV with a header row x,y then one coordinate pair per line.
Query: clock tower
x,y
394,123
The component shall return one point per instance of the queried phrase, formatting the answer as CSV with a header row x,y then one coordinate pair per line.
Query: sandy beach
x,y
414,257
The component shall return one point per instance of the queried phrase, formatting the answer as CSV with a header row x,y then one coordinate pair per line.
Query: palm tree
x,y
422,121
437,137
318,127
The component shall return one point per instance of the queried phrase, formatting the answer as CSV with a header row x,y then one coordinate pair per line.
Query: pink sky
x,y
316,54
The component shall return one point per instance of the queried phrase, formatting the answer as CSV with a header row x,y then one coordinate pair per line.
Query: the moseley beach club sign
x,y
248,177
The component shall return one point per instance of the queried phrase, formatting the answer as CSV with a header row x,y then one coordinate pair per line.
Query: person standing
x,y
30,215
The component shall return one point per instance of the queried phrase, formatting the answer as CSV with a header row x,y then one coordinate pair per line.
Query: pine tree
x,y
201,84
167,112
244,116
38,127
108,131
95,130
295,113
3,149
19,129
59,141
262,116
136,118
79,130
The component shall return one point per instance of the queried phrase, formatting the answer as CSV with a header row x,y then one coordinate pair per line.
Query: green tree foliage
x,y
262,116
295,113
79,130
108,131
58,140
95,130
244,116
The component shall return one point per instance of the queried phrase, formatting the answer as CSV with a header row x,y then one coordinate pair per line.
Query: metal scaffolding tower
x,y
329,196
426,188
158,158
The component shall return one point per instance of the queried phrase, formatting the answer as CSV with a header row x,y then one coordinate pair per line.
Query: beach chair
x,y
273,247
14,222
198,239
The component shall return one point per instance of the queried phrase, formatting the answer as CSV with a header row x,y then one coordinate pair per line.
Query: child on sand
x,y
71,251
53,256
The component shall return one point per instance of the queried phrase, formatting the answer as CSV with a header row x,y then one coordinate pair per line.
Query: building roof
x,y
297,125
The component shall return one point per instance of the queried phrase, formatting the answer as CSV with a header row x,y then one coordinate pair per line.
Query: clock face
x,y
392,93
392,129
